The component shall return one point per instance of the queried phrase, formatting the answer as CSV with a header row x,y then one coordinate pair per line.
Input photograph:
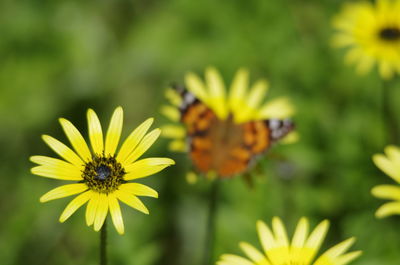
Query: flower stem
x,y
210,232
389,120
103,244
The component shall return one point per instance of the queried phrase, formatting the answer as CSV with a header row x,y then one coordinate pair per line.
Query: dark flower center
x,y
390,34
103,174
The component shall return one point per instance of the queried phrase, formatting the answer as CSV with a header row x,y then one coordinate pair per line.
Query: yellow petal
x,y
177,146
63,191
279,108
238,89
170,112
339,249
390,208
63,150
257,94
95,132
133,139
266,237
62,171
131,200
142,147
280,232
387,166
390,192
114,131
101,212
76,139
91,208
139,190
145,167
300,234
393,153
173,96
116,215
196,86
345,259
217,92
252,252
229,259
317,236
74,205
173,131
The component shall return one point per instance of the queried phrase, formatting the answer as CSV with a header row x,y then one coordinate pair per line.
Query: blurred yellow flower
x,y
371,31
301,250
102,174
390,164
225,130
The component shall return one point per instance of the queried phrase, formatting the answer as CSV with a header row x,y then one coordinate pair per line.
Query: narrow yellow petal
x,y
142,147
229,259
257,94
131,201
393,153
91,208
279,108
251,252
173,131
101,212
133,140
317,236
114,132
139,190
63,191
63,150
173,96
54,162
339,249
217,92
387,166
178,146
116,215
390,208
65,172
266,237
76,139
95,132
300,234
280,232
390,192
145,167
238,89
345,259
170,112
74,205
196,86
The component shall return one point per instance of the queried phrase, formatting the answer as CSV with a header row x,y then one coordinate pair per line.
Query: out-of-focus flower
x,y
371,31
303,248
224,131
102,174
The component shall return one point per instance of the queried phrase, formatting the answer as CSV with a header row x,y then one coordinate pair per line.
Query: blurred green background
x,y
60,57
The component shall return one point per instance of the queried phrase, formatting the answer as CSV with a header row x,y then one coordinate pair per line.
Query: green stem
x,y
389,120
103,244
210,232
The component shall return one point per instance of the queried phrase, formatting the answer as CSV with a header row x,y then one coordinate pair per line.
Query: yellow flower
x,y
390,164
372,34
301,250
207,110
102,174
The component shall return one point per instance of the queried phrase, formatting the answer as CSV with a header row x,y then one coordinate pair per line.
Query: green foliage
x,y
60,57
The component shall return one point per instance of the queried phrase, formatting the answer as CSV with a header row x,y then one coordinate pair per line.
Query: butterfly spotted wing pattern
x,y
221,146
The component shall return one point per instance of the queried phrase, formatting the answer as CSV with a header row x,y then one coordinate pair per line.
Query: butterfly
x,y
222,146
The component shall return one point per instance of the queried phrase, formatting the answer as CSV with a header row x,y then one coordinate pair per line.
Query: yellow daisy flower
x,y
101,174
371,31
204,112
301,250
390,164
